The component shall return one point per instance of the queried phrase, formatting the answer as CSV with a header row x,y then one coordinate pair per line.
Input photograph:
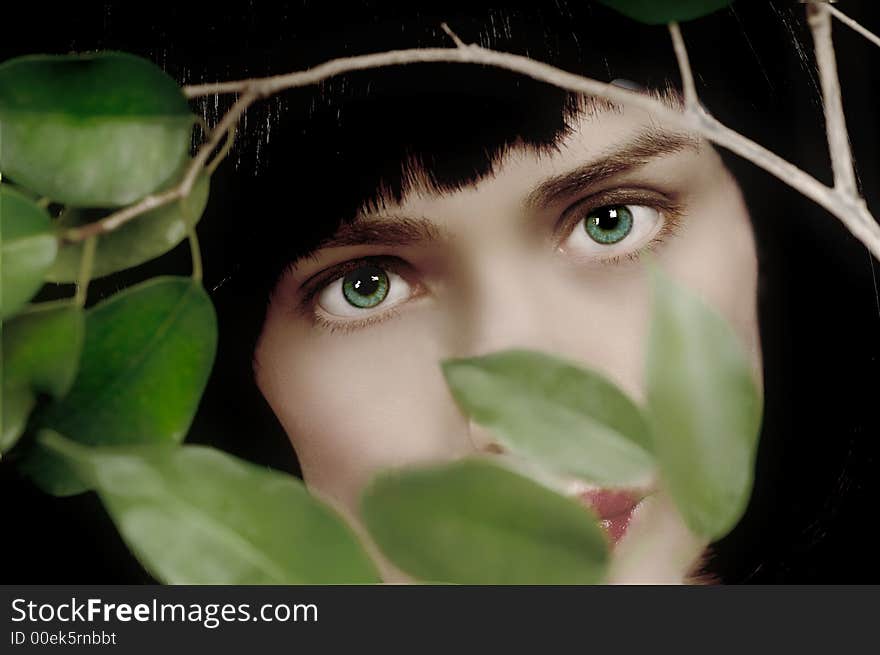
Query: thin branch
x,y
819,19
121,217
847,207
220,156
849,22
227,123
452,35
691,102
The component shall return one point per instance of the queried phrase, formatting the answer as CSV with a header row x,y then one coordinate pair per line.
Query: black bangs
x,y
389,132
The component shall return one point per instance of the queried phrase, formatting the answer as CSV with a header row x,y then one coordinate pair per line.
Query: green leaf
x,y
566,418
96,130
147,356
138,241
28,246
41,352
474,522
704,407
194,515
41,349
658,12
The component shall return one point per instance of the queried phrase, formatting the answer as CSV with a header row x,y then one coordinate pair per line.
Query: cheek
x,y
353,404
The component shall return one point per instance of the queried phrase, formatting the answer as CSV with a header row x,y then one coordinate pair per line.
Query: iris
x,y
365,286
609,225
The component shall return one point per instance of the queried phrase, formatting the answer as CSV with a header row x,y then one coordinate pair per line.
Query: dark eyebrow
x,y
633,154
387,231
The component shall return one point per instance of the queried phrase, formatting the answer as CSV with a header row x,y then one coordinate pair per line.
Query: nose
x,y
508,301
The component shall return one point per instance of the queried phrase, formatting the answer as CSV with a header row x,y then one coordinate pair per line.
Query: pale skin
x,y
505,263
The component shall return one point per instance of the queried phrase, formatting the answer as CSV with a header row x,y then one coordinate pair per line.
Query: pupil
x,y
365,281
607,220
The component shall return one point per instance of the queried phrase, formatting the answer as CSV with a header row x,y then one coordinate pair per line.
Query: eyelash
x,y
671,213
353,325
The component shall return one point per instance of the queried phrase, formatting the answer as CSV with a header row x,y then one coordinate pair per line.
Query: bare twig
x,y
819,19
221,155
452,35
691,102
849,22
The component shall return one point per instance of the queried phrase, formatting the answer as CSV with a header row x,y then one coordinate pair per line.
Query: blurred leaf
x,y
658,12
138,241
705,409
566,418
473,522
27,249
41,352
95,130
194,515
17,406
147,356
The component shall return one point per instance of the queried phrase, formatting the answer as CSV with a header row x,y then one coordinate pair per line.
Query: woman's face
x,y
542,254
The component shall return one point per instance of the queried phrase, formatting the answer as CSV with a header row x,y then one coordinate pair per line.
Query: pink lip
x,y
614,507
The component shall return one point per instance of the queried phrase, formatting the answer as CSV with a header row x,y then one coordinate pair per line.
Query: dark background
x,y
813,512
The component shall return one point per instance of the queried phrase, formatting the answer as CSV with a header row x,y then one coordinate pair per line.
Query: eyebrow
x,y
649,144
387,231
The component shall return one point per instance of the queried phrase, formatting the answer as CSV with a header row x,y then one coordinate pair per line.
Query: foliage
x,y
101,398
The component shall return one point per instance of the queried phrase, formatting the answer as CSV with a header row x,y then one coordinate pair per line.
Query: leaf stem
x,y
85,271
196,251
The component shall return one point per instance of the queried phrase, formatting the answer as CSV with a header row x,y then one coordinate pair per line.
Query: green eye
x,y
365,287
608,225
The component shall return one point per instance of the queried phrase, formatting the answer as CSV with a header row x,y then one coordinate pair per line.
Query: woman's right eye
x,y
362,289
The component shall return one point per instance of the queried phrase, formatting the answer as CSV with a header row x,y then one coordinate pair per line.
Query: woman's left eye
x,y
613,230
362,289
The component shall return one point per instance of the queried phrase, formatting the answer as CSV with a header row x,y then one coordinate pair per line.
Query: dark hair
x,y
308,159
